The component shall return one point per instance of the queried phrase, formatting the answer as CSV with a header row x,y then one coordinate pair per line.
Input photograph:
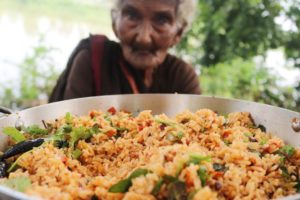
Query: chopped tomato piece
x,y
216,174
189,179
63,158
162,127
226,134
112,110
141,128
149,123
92,114
110,133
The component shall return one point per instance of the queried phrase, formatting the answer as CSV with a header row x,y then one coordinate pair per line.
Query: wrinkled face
x,y
146,30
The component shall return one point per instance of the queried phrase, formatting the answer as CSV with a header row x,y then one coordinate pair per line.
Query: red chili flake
x,y
133,155
110,133
217,174
188,179
92,115
141,128
131,118
112,110
169,157
149,123
188,141
226,134
184,121
64,158
162,127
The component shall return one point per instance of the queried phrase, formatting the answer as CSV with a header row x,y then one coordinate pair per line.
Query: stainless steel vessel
x,y
280,122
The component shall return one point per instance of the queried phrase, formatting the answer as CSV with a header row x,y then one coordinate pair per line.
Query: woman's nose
x,y
144,34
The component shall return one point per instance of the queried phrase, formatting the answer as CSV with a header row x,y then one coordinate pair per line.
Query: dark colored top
x,y
172,76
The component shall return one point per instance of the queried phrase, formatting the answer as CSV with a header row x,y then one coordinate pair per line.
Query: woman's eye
x,y
162,20
131,15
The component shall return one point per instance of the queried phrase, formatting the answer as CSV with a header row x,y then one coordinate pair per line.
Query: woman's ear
x,y
179,34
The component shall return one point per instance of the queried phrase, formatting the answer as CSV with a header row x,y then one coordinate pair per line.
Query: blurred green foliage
x,y
292,39
225,38
37,79
91,11
245,80
225,30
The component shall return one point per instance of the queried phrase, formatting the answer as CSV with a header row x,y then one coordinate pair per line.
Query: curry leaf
x,y
60,133
197,159
67,128
95,129
180,167
165,122
20,183
227,143
16,135
287,150
285,172
78,134
219,167
94,197
297,186
262,128
138,172
36,130
157,187
15,164
177,191
107,117
263,141
76,153
169,179
203,175
61,144
180,134
68,118
192,194
123,185
248,134
121,129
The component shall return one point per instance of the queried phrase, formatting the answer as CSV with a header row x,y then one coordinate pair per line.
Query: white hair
x,y
186,12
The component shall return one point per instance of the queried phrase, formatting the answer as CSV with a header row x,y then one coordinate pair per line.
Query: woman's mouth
x,y
143,53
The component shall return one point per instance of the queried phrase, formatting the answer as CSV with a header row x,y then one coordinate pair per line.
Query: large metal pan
x,y
278,121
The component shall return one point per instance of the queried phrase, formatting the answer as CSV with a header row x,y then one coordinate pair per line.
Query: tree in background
x,y
292,39
37,79
246,80
228,34
229,29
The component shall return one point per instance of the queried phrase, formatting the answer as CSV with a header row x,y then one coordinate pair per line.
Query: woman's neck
x,y
148,77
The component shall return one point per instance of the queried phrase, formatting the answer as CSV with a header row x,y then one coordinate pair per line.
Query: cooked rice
x,y
252,166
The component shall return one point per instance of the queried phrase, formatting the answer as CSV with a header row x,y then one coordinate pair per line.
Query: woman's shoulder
x,y
178,76
88,46
174,63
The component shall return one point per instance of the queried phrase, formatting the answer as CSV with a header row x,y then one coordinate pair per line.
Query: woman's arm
x,y
80,81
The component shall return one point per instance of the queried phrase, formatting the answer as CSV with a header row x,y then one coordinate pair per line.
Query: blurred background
x,y
246,49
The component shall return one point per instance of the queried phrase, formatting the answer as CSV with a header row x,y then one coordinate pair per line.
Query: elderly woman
x,y
140,62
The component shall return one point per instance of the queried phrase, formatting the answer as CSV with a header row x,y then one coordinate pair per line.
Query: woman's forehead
x,y
163,4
